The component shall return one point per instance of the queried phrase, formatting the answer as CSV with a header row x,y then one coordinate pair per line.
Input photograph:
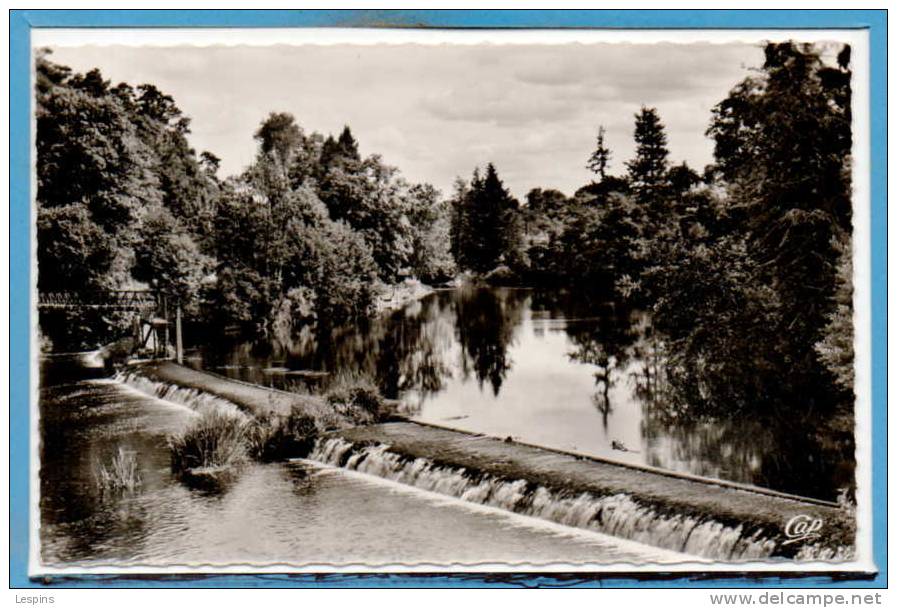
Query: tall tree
x,y
367,195
280,136
120,194
491,222
783,142
430,224
167,258
599,161
755,309
460,220
348,146
94,179
648,169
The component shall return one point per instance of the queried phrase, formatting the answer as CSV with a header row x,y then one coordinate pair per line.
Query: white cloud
x,y
436,111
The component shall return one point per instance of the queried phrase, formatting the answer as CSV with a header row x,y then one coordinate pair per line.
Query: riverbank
x,y
395,297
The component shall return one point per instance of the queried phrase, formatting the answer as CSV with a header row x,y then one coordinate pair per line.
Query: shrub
x,y
215,440
501,275
357,397
122,474
273,437
119,351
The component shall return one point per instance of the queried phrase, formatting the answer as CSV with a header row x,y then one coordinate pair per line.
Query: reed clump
x,y
120,474
211,450
214,441
276,437
357,397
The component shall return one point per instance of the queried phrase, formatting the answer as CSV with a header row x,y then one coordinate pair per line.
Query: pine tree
x,y
599,161
648,177
348,146
647,171
491,221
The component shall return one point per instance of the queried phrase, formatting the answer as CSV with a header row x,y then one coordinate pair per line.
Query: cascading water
x,y
195,400
618,514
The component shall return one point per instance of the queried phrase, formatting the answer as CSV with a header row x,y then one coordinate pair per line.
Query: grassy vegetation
x,y
274,437
356,397
220,442
121,474
214,441
217,442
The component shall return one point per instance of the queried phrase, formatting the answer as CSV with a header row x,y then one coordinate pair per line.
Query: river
x,y
553,369
299,513
556,369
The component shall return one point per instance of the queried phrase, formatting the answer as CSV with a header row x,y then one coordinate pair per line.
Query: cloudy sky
x,y
437,111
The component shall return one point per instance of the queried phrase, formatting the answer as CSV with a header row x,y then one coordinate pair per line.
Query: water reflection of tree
x,y
785,449
604,342
402,351
413,351
650,375
780,449
486,319
778,452
725,449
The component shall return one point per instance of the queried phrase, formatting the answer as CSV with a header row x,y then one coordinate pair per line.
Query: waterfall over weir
x,y
193,399
618,514
706,518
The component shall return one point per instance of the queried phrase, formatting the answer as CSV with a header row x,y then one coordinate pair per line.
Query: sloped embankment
x,y
252,399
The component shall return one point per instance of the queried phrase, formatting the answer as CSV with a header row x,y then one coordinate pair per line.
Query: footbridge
x,y
151,310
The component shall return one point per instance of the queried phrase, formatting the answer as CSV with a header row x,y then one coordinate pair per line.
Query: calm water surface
x,y
297,513
554,369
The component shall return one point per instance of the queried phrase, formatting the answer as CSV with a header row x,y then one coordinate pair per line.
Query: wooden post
x,y
179,341
163,331
135,327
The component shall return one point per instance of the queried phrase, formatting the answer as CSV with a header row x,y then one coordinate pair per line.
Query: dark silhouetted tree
x,y
599,161
648,169
279,135
489,210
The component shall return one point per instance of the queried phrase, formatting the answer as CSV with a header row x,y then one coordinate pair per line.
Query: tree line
x,y
306,234
745,265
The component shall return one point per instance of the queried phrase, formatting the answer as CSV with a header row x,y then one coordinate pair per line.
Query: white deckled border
x,y
858,39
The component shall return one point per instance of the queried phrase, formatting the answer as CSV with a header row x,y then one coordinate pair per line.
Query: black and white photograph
x,y
450,301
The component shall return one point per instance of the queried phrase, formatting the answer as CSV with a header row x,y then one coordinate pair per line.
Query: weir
x,y
250,398
702,517
191,398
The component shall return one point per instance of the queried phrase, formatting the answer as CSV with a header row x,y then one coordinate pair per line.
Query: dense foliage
x,y
306,235
745,266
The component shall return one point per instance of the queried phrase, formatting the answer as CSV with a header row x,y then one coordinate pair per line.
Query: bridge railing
x,y
125,299
140,301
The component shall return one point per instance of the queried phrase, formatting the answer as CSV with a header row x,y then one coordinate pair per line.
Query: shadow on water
x,y
563,369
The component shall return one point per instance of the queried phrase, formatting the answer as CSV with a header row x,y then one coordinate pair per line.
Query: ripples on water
x,y
297,513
